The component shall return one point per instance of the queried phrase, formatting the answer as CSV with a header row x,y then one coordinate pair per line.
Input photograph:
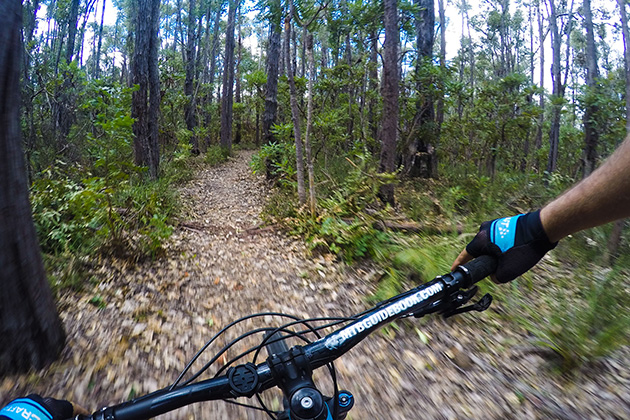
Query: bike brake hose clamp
x,y
243,380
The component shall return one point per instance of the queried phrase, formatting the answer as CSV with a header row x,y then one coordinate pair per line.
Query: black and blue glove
x,y
35,407
518,242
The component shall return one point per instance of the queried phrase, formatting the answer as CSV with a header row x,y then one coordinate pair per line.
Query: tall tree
x,y
72,29
145,74
189,112
273,58
558,89
591,136
97,58
214,49
309,123
227,96
389,124
295,112
421,155
237,94
32,334
542,34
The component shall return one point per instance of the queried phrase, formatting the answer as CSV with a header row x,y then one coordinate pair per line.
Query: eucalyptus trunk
x,y
145,75
32,334
295,112
227,96
389,131
422,158
309,124
558,90
591,135
273,57
189,111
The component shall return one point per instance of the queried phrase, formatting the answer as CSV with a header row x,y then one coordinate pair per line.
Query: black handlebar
x,y
481,267
436,295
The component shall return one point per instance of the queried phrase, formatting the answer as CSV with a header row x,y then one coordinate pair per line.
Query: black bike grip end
x,y
480,268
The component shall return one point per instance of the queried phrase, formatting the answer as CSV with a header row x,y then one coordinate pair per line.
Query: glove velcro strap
x,y
25,409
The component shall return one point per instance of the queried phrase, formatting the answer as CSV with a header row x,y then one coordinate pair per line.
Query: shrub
x,y
587,324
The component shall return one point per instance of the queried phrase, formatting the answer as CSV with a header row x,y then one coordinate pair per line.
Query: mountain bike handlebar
x,y
291,370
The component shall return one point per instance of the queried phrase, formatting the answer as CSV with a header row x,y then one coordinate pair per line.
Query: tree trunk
x,y
295,112
145,75
373,84
558,90
349,91
439,117
32,334
421,153
97,58
273,57
591,136
72,29
189,112
213,65
309,124
389,131
238,117
227,96
541,118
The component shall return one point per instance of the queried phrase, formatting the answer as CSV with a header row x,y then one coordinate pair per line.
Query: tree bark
x,y
309,124
213,65
72,29
421,153
558,90
373,84
145,75
227,96
189,111
591,135
541,118
97,58
273,57
238,117
295,112
389,131
32,334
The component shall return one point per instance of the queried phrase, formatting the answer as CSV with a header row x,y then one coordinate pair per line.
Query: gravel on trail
x,y
135,326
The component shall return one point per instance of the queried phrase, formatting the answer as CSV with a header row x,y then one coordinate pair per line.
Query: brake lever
x,y
449,303
480,306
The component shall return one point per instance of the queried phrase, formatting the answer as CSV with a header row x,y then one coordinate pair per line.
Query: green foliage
x,y
418,260
349,221
585,324
216,155
104,205
277,160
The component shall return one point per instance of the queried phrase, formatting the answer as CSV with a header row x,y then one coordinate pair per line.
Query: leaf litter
x,y
133,331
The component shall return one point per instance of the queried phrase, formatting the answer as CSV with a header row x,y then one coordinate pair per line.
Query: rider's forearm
x,y
598,199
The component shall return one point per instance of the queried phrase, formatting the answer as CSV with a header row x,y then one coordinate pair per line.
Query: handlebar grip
x,y
481,267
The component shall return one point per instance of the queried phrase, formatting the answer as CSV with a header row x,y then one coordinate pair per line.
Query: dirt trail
x,y
136,327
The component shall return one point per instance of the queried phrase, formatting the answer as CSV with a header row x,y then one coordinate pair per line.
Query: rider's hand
x,y
35,407
518,242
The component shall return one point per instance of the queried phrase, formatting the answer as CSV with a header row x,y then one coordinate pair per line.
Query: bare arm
x,y
601,198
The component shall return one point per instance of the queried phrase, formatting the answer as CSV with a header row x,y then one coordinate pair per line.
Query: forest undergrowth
x,y
130,332
572,304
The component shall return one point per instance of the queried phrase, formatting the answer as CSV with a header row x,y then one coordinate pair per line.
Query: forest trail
x,y
134,328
